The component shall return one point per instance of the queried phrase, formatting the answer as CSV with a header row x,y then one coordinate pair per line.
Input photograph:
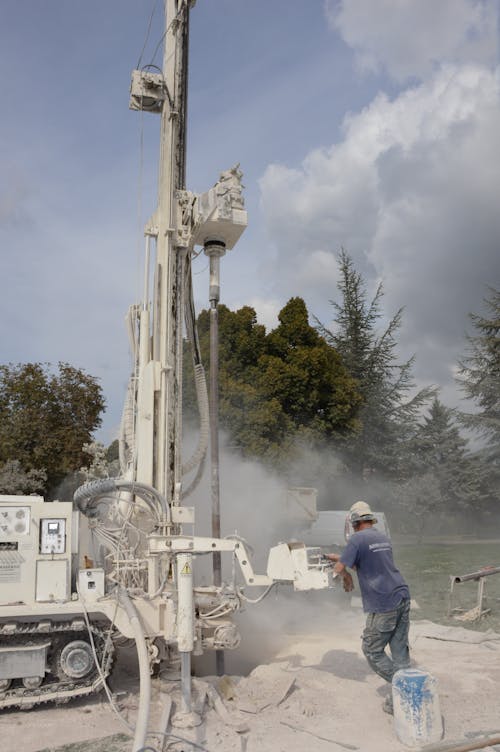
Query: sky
x,y
372,125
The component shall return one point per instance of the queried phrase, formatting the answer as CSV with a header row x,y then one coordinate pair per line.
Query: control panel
x,y
36,544
52,535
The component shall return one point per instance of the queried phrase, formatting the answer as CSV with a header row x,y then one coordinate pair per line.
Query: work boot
x,y
387,705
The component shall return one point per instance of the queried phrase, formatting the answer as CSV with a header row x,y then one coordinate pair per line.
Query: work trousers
x,y
389,628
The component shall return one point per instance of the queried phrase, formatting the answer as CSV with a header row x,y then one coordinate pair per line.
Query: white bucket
x,y
417,715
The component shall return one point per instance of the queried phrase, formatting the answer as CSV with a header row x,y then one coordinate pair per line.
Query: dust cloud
x,y
253,506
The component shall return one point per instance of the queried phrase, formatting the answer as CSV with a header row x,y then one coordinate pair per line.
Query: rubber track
x,y
54,691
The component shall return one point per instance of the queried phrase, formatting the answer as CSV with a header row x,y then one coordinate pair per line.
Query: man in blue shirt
x,y
385,594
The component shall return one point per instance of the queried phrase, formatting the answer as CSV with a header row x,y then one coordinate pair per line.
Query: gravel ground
x,y
316,692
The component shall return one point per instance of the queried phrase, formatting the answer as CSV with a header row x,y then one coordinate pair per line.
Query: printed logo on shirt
x,y
380,546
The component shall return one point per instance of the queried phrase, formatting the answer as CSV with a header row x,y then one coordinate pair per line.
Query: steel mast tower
x,y
152,426
157,432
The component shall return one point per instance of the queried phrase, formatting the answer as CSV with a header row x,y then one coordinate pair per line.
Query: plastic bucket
x,y
417,715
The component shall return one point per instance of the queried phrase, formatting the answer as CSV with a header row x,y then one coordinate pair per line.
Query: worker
x,y
385,594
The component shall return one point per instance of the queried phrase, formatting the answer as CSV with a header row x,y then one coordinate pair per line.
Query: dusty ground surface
x,y
316,692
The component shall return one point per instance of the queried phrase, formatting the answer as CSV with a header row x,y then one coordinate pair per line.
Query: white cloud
x,y
408,38
412,193
267,311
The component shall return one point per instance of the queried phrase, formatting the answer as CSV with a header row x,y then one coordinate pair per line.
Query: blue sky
x,y
368,124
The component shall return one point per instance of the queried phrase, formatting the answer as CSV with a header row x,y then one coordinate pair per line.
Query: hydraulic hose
x,y
200,452
126,438
203,408
142,722
86,497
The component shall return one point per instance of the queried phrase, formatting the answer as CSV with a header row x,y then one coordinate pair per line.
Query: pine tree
x,y
479,375
479,378
388,412
443,451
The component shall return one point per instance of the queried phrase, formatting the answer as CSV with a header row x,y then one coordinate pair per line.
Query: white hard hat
x,y
361,512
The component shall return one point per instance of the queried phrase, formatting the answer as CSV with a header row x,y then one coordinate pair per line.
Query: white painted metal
x,y
185,603
35,558
151,553
91,584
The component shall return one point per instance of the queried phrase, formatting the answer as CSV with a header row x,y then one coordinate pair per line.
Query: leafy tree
x,y
279,388
388,413
101,464
46,418
14,480
307,377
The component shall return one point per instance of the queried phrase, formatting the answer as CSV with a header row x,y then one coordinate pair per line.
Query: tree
x,y
479,378
103,462
14,480
388,413
307,377
438,451
280,388
479,374
46,418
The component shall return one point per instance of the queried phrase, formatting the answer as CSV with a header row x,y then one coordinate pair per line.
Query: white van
x,y
331,529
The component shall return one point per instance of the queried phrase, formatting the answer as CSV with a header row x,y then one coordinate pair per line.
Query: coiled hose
x,y
87,496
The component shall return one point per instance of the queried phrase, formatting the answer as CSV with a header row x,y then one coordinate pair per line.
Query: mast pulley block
x,y
148,91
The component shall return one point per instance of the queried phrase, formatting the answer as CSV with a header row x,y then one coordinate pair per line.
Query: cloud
x,y
409,38
266,310
412,193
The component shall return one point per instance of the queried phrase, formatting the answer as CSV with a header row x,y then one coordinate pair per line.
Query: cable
x,y
260,598
179,738
165,34
99,669
147,33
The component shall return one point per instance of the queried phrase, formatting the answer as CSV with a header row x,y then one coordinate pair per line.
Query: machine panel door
x,y
52,580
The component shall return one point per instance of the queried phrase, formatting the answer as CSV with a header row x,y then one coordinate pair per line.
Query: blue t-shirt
x,y
381,583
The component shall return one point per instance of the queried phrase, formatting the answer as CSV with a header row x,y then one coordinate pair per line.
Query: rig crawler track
x,y
56,685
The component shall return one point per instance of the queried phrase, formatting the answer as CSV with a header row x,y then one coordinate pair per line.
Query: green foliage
x,y
388,413
46,418
479,374
440,452
479,377
280,388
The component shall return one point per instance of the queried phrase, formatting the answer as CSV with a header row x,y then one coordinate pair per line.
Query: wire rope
x,y
155,5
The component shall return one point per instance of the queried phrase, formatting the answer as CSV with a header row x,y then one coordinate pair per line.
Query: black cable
x,y
174,736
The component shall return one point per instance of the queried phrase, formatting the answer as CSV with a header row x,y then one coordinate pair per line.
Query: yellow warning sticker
x,y
186,569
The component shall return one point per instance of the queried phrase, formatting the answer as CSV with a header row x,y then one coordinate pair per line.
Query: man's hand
x,y
340,569
347,582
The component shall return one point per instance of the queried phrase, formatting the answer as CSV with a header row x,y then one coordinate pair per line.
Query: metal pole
x,y
214,435
214,251
185,624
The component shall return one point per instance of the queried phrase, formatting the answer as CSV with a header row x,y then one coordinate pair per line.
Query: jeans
x,y
389,628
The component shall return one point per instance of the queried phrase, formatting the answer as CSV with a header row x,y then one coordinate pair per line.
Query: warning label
x,y
10,566
186,569
10,573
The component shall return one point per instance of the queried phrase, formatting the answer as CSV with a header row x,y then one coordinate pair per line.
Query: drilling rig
x,y
67,598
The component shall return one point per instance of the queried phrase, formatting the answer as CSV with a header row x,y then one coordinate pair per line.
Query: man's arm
x,y
332,557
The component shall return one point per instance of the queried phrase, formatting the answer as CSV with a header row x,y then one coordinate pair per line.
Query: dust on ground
x,y
315,692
